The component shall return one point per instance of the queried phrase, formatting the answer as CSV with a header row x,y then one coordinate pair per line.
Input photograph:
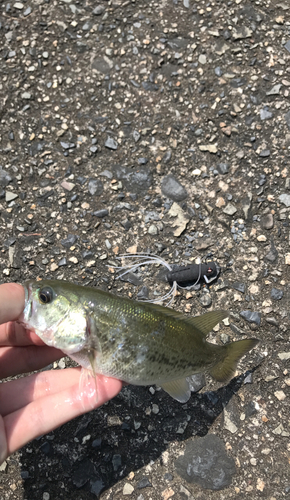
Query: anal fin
x,y
178,389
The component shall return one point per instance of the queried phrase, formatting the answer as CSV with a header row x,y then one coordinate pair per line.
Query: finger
x,y
16,394
14,334
11,301
49,412
15,360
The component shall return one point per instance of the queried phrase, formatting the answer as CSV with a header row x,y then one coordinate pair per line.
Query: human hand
x,y
36,404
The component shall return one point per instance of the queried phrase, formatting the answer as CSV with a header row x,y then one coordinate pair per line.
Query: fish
x,y
137,342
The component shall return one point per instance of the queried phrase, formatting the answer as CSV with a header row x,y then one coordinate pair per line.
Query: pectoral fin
x,y
178,389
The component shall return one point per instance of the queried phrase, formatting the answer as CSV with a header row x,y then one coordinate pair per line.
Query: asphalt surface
x,y
159,127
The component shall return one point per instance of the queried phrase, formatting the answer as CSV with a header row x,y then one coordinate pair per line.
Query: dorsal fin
x,y
207,321
203,323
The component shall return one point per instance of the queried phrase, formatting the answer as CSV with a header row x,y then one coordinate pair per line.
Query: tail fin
x,y
225,369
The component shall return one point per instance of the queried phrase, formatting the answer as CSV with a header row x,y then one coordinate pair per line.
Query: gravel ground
x,y
164,127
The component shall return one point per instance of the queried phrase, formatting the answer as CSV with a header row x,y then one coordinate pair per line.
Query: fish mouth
x,y
27,311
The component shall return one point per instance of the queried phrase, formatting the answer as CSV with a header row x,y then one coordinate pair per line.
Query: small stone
x,y
241,33
96,487
99,10
287,259
53,267
265,114
265,153
267,221
223,168
168,493
18,5
3,466
276,294
62,262
275,90
272,255
261,237
67,145
101,213
241,287
284,355
287,115
167,157
251,317
280,395
287,45
206,463
202,59
211,148
95,187
196,382
111,143
205,300
260,485
9,196
153,230
172,188
220,202
67,185
144,483
69,241
229,209
5,178
280,431
136,135
285,199
128,489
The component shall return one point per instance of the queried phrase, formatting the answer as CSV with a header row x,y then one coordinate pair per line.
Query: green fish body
x,y
136,342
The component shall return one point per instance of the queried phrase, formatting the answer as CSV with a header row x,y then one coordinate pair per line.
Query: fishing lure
x,y
177,276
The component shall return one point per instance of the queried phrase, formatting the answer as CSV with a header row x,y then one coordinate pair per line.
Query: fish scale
x,y
137,342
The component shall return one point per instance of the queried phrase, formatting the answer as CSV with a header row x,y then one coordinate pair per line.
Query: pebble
x,y
69,241
153,230
98,10
205,462
18,5
267,221
223,168
265,114
172,188
287,115
5,178
280,395
111,143
265,153
241,287
144,483
101,213
196,382
284,355
229,209
205,300
251,317
95,187
128,489
285,199
276,294
9,196
272,255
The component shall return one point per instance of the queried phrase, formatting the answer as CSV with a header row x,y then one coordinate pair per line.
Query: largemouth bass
x,y
135,342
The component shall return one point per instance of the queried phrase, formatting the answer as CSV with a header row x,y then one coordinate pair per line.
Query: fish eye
x,y
45,295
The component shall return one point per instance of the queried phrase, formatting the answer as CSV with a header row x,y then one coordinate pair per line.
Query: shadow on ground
x,y
90,454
